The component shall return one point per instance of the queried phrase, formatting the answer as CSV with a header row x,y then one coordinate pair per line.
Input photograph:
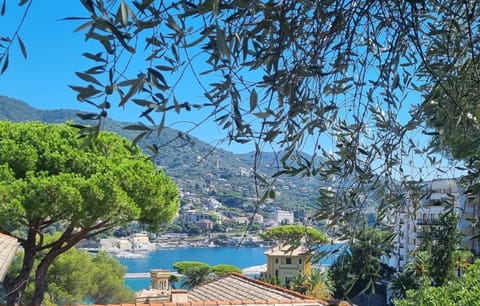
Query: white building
x,y
193,216
280,217
420,214
213,203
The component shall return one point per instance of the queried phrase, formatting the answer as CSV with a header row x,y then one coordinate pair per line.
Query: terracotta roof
x,y
8,248
234,288
237,289
287,250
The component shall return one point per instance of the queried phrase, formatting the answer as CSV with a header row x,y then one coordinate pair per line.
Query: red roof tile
x,y
237,289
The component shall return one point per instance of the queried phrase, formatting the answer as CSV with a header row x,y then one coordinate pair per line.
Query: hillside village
x,y
210,226
218,206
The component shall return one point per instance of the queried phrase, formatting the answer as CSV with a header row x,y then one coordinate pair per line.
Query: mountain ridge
x,y
198,169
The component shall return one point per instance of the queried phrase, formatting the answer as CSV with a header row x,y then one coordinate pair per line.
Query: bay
x,y
165,258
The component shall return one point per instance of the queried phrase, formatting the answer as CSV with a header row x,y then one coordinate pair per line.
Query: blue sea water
x,y
165,258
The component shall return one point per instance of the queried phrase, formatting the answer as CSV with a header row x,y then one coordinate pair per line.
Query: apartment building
x,y
419,214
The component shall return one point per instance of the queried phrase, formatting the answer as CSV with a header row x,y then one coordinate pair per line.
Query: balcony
x,y
431,202
430,221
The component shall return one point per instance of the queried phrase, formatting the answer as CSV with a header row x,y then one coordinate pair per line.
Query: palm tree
x,y
462,260
299,283
173,279
403,282
315,284
320,285
420,268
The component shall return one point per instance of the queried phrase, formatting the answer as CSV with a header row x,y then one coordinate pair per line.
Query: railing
x,y
430,221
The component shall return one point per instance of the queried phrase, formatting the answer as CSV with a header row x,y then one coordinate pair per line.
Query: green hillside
x,y
199,168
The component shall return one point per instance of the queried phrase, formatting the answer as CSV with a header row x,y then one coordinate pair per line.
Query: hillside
x,y
199,169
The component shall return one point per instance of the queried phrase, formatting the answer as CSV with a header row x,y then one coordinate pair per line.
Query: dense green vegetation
x,y
76,277
380,92
361,269
183,266
295,235
316,284
179,160
464,291
195,272
49,181
438,260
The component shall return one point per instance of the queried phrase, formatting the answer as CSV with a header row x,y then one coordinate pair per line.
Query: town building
x,y
139,238
205,224
213,203
230,289
193,216
285,261
280,217
421,213
141,241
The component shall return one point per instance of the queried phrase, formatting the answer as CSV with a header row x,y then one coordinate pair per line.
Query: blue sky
x,y
54,55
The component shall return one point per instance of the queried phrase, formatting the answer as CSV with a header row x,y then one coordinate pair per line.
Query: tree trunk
x,y
15,290
40,282
41,272
16,286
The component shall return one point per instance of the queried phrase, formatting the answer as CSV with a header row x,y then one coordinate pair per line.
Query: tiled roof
x,y
287,250
8,248
235,288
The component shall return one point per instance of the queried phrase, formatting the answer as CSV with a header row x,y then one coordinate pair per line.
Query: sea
x,y
241,257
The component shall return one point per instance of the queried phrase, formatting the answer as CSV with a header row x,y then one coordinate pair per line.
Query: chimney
x,y
179,296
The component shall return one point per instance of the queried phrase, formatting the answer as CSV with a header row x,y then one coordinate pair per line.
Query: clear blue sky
x,y
54,55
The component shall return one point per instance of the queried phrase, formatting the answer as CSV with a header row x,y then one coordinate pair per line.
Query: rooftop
x,y
287,250
8,248
237,289
234,288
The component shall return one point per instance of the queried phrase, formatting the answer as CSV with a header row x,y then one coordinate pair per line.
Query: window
x,y
300,261
276,260
276,273
288,261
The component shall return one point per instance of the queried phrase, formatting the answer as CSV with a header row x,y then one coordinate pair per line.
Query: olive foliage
x,y
343,80
374,91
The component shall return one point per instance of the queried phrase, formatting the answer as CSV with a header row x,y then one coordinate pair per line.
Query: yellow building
x,y
284,261
140,238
